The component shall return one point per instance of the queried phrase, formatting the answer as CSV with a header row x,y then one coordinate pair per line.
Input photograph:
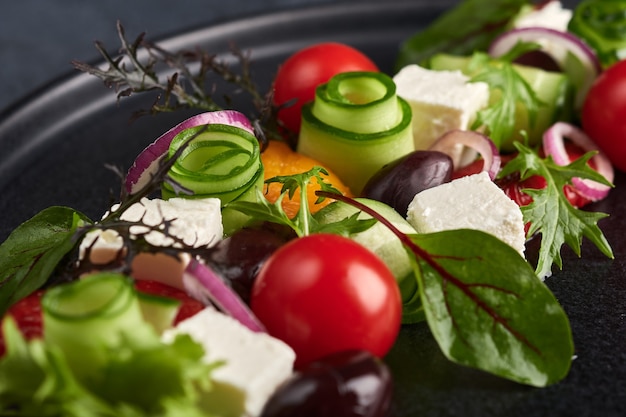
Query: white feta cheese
x,y
552,15
471,202
197,222
255,363
440,101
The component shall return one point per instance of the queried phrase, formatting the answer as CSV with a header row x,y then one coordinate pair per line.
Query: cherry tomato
x,y
28,317
604,113
325,293
303,71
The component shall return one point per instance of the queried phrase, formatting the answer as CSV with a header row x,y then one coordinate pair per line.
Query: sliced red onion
x,y
558,45
202,283
450,141
147,161
554,145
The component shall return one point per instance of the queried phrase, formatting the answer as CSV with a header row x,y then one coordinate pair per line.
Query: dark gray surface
x,y
39,38
58,160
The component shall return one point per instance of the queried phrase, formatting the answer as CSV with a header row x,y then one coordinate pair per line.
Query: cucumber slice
x,y
158,311
355,125
220,161
86,317
386,245
552,88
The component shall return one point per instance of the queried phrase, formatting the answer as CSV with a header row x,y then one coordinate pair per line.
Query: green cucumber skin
x,y
552,88
84,329
378,238
158,311
355,157
359,102
221,181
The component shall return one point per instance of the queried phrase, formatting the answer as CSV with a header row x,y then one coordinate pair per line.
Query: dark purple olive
x,y
396,183
239,257
347,384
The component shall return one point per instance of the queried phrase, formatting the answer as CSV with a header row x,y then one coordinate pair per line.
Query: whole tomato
x,y
325,293
303,71
604,113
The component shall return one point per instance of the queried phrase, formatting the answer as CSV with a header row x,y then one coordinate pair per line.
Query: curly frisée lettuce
x,y
100,358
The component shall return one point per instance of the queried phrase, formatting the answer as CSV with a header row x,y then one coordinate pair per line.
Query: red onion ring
x,y
557,44
147,161
477,141
205,285
554,145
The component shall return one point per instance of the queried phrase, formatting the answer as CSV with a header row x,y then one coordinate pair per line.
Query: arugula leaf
x,y
304,223
515,93
456,33
34,249
487,309
551,214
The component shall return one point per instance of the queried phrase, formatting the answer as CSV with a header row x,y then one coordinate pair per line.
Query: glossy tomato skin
x,y
302,72
325,293
604,113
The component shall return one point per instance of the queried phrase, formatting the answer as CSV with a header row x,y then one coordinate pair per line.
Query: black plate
x,y
55,144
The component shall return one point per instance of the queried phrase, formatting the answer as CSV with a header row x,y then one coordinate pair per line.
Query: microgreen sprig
x,y
303,223
138,67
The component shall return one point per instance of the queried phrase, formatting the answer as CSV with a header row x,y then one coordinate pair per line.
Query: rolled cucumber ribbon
x,y
356,125
88,317
220,161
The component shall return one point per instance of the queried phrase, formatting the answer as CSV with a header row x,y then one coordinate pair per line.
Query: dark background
x,y
40,38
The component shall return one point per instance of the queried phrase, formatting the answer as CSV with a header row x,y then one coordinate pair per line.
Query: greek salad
x,y
263,264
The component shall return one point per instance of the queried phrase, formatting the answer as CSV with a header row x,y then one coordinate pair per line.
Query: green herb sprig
x,y
138,67
551,214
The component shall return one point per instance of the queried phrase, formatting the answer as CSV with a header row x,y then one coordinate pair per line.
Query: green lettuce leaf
x,y
162,380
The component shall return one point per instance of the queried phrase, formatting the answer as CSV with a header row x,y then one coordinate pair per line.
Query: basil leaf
x,y
32,251
487,309
469,27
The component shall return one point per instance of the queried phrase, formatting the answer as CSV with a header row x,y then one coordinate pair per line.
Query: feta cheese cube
x,y
197,222
440,101
471,202
552,15
255,363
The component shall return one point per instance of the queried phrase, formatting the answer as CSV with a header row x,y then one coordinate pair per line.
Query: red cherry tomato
x,y
604,113
325,293
28,317
303,71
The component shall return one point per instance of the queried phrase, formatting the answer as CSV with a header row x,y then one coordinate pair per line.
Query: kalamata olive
x,y
396,183
352,383
239,257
